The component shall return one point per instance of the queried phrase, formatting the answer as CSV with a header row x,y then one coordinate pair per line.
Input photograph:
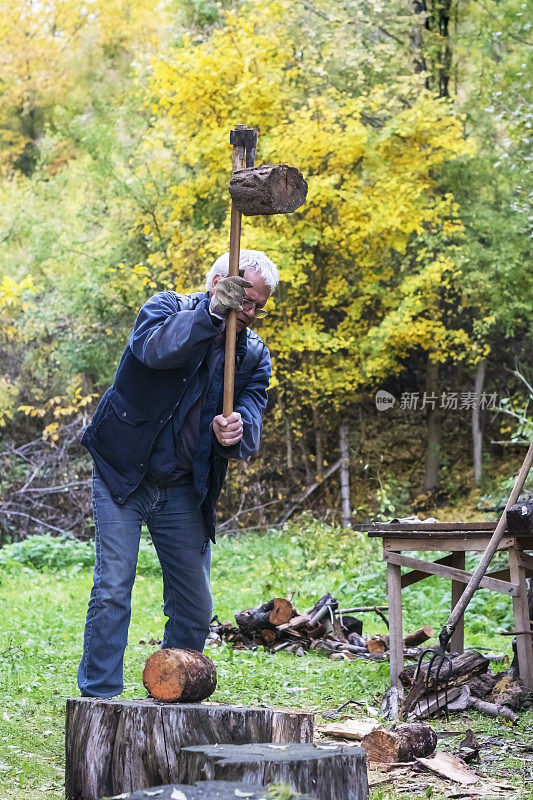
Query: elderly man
x,y
160,447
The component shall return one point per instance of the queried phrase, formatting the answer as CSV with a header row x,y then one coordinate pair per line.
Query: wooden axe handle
x,y
234,255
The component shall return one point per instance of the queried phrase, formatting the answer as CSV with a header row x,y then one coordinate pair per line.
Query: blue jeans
x,y
179,535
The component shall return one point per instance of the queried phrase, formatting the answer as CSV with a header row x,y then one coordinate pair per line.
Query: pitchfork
x,y
439,662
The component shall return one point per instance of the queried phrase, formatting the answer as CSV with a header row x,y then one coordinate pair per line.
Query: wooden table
x,y
456,539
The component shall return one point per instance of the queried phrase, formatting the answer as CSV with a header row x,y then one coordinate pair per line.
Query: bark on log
x,y
268,615
268,189
184,676
463,668
114,747
404,743
335,773
493,710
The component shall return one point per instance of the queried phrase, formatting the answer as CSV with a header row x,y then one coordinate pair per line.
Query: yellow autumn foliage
x,y
353,299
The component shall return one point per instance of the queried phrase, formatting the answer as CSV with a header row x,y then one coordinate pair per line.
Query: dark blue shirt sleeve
x,y
165,337
250,402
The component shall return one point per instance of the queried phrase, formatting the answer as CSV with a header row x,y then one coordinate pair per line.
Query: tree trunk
x,y
319,452
405,743
267,189
431,479
176,675
416,37
333,774
121,746
344,430
476,427
288,444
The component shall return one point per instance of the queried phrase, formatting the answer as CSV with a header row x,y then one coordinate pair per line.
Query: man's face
x,y
257,294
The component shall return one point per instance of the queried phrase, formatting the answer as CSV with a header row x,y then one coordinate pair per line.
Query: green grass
x,y
44,588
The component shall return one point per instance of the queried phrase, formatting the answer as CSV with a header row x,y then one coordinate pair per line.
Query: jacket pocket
x,y
125,410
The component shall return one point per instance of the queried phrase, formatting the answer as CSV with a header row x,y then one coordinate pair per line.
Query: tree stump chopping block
x,y
207,790
332,773
115,746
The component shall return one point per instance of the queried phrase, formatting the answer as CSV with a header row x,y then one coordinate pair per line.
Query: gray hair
x,y
249,259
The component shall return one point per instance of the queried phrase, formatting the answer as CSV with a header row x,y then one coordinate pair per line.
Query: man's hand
x,y
229,295
228,430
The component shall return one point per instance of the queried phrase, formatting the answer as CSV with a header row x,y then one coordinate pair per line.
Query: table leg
x,y
457,642
524,642
394,593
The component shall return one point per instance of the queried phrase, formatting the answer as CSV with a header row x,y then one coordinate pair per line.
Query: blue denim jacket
x,y
170,340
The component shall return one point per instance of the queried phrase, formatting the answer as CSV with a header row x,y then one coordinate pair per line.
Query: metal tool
x,y
439,661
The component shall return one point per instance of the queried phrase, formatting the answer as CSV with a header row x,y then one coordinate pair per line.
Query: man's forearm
x,y
164,338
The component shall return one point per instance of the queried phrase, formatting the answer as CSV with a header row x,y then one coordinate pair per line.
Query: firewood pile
x,y
468,683
277,625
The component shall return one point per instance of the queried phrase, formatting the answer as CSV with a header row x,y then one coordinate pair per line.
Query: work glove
x,y
229,295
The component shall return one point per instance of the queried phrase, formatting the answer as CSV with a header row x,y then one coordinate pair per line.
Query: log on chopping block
x,y
267,189
179,675
117,746
330,773
404,743
268,615
206,790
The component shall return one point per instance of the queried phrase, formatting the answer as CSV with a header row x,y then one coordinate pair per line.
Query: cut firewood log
x,y
295,623
483,684
357,640
114,746
179,675
338,631
330,772
268,636
404,743
378,645
456,699
267,189
320,606
493,710
418,637
464,667
267,615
